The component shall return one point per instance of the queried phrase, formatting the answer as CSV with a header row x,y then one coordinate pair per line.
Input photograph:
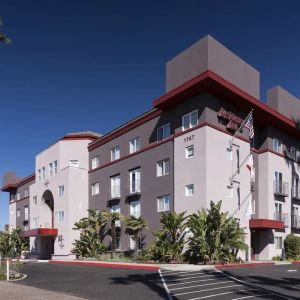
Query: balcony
x,y
296,192
281,188
295,222
283,218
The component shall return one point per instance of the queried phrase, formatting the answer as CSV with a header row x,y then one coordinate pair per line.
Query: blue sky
x,y
92,65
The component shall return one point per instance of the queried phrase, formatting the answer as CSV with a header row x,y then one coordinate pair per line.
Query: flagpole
x,y
232,177
231,141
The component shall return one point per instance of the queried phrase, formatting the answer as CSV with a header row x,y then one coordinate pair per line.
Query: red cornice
x,y
9,187
40,232
131,125
13,186
265,224
171,138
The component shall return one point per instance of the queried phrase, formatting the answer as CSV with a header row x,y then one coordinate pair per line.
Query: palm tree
x,y
18,243
3,38
135,226
110,218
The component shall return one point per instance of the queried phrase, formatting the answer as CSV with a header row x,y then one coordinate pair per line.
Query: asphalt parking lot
x,y
214,284
94,282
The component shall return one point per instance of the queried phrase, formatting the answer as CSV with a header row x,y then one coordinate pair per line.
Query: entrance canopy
x,y
265,224
40,232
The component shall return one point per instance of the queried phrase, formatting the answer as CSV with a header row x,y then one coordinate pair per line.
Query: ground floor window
x,y
118,238
132,242
278,242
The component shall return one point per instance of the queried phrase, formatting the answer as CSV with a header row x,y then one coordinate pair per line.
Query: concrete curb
x,y
106,264
244,265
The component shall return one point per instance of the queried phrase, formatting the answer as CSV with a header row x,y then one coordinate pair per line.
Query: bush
x,y
277,258
292,246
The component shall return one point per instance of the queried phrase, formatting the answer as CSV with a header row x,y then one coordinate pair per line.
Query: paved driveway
x,y
93,282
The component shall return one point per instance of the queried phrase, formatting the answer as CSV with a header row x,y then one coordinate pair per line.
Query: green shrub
x,y
292,246
277,258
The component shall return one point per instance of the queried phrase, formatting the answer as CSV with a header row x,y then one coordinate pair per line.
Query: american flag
x,y
249,125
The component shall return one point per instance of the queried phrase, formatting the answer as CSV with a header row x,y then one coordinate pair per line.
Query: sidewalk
x,y
13,291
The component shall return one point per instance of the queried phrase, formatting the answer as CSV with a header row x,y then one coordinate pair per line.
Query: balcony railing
x,y
295,222
283,217
296,192
281,188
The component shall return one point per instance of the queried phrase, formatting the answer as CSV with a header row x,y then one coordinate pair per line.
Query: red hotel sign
x,y
233,121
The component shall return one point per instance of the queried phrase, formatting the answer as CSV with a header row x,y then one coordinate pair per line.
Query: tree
x,y
18,243
3,38
135,226
92,233
170,240
111,218
216,237
5,246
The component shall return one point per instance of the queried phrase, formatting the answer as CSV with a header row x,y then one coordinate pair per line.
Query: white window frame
x,y
74,163
229,154
61,191
18,196
55,166
277,145
229,191
26,213
278,240
135,185
189,115
189,187
95,162
115,153
61,216
163,167
115,186
116,209
164,202
166,132
95,188
43,173
18,213
187,149
134,145
135,208
26,193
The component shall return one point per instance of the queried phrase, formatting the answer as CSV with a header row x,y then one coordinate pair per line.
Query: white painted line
x,y
188,274
179,272
252,296
196,281
165,286
200,276
192,286
291,270
215,295
200,291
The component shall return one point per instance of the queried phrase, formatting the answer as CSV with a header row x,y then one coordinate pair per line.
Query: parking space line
x,y
186,272
200,276
165,285
220,294
193,281
206,290
194,273
192,286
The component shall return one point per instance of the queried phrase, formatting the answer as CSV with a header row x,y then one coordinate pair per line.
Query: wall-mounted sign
x,y
189,138
231,120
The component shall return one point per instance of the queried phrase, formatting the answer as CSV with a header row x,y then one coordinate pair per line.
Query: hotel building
x,y
186,151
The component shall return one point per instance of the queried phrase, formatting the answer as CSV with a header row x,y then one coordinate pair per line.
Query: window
x,y
132,242
252,206
229,191
43,173
163,132
35,221
95,188
26,193
74,163
278,211
134,145
26,211
293,153
135,209
229,154
189,151
189,190
61,216
12,197
115,153
50,169
34,200
55,166
190,120
95,162
277,146
61,190
163,203
18,196
135,181
278,242
18,213
39,175
116,209
163,167
115,186
118,238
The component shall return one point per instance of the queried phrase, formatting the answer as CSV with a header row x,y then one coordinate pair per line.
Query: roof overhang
x,y
265,224
40,232
9,187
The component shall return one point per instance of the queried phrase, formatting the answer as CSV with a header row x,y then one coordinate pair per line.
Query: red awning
x,y
40,232
265,224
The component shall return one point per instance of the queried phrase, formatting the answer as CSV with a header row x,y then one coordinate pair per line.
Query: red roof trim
x,y
40,232
265,224
8,187
26,180
135,123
